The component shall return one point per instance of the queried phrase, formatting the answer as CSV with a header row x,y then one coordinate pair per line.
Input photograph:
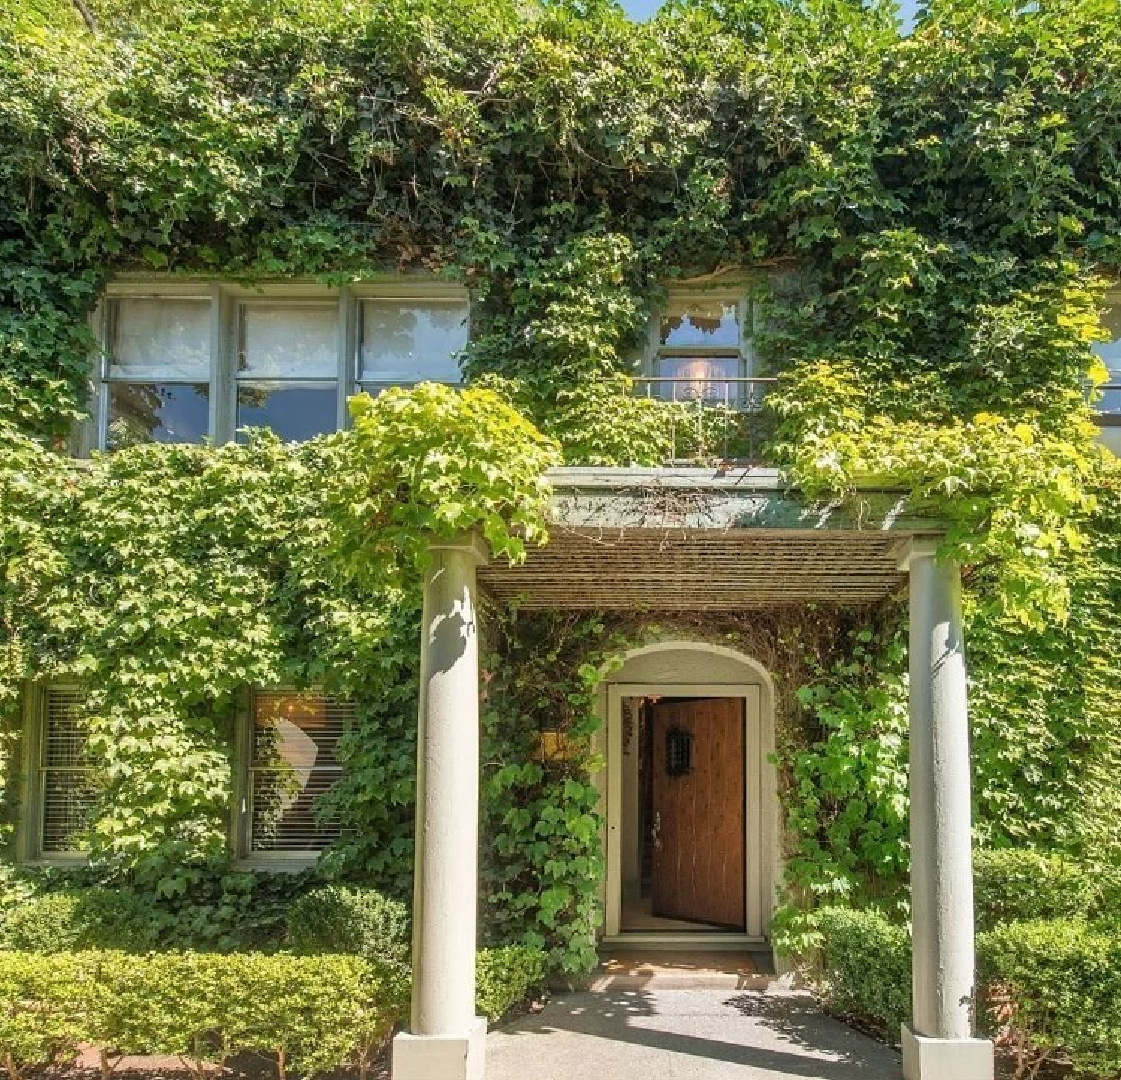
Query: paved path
x,y
662,1034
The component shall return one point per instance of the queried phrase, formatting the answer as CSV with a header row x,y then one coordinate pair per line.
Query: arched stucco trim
x,y
622,667
700,666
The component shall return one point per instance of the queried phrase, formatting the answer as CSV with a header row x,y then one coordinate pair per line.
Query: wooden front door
x,y
698,811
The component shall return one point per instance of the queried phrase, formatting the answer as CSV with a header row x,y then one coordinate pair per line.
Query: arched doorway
x,y
690,796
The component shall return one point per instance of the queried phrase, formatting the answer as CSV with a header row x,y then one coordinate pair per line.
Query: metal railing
x,y
721,418
717,418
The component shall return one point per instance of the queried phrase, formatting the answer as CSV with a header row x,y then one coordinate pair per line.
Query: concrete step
x,y
679,969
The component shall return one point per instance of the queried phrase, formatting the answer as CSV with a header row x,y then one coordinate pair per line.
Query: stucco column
x,y
939,1046
446,1039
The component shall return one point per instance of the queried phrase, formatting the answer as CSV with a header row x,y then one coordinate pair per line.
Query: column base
x,y
946,1059
441,1057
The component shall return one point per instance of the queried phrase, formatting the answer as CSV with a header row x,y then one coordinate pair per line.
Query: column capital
x,y
917,547
468,543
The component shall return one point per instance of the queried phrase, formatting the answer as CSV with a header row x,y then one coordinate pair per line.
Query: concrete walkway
x,y
676,1034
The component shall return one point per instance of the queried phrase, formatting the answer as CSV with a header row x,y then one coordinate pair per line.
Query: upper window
x,y
702,348
157,370
61,780
195,362
1109,405
291,761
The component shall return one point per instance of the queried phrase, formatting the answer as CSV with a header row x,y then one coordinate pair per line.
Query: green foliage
x,y
90,918
847,797
543,862
1019,886
937,209
314,1014
39,1017
44,924
433,463
1043,706
1014,493
1055,988
866,967
337,919
504,978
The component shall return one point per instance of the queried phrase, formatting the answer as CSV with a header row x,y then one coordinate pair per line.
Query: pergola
x,y
696,540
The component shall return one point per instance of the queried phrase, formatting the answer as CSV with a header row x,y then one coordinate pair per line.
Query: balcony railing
x,y
722,419
717,418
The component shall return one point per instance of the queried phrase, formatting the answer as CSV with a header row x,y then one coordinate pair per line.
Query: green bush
x,y
314,1013
40,1012
1055,987
337,919
43,924
504,977
86,919
866,964
342,919
1016,885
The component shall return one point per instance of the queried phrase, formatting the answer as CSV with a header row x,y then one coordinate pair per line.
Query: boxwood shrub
x,y
504,978
866,967
80,919
1054,988
340,919
1047,988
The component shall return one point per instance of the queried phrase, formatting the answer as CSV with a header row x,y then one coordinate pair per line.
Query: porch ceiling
x,y
698,540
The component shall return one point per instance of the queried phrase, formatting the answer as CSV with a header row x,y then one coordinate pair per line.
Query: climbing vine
x,y
925,227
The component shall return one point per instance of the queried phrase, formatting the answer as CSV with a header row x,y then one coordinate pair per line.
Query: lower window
x,y
62,784
292,762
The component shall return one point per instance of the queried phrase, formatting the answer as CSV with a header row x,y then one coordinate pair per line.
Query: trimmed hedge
x,y
866,963
1054,987
314,1013
1017,885
40,1010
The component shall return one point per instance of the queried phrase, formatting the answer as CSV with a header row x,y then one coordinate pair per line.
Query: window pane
x,y
698,378
289,341
700,322
404,341
284,811
157,412
293,764
160,339
68,801
295,413
68,788
293,726
1110,352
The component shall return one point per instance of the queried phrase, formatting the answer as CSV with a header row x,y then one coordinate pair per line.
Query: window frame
x,y
241,808
226,300
1111,419
747,314
30,827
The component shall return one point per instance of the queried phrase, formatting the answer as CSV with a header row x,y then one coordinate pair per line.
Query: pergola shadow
x,y
768,1034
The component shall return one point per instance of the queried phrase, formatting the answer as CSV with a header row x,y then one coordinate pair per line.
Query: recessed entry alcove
x,y
690,794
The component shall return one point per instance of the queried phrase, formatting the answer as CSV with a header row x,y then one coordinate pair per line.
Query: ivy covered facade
x,y
745,236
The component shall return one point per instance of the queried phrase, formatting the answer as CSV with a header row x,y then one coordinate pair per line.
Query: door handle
x,y
655,829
